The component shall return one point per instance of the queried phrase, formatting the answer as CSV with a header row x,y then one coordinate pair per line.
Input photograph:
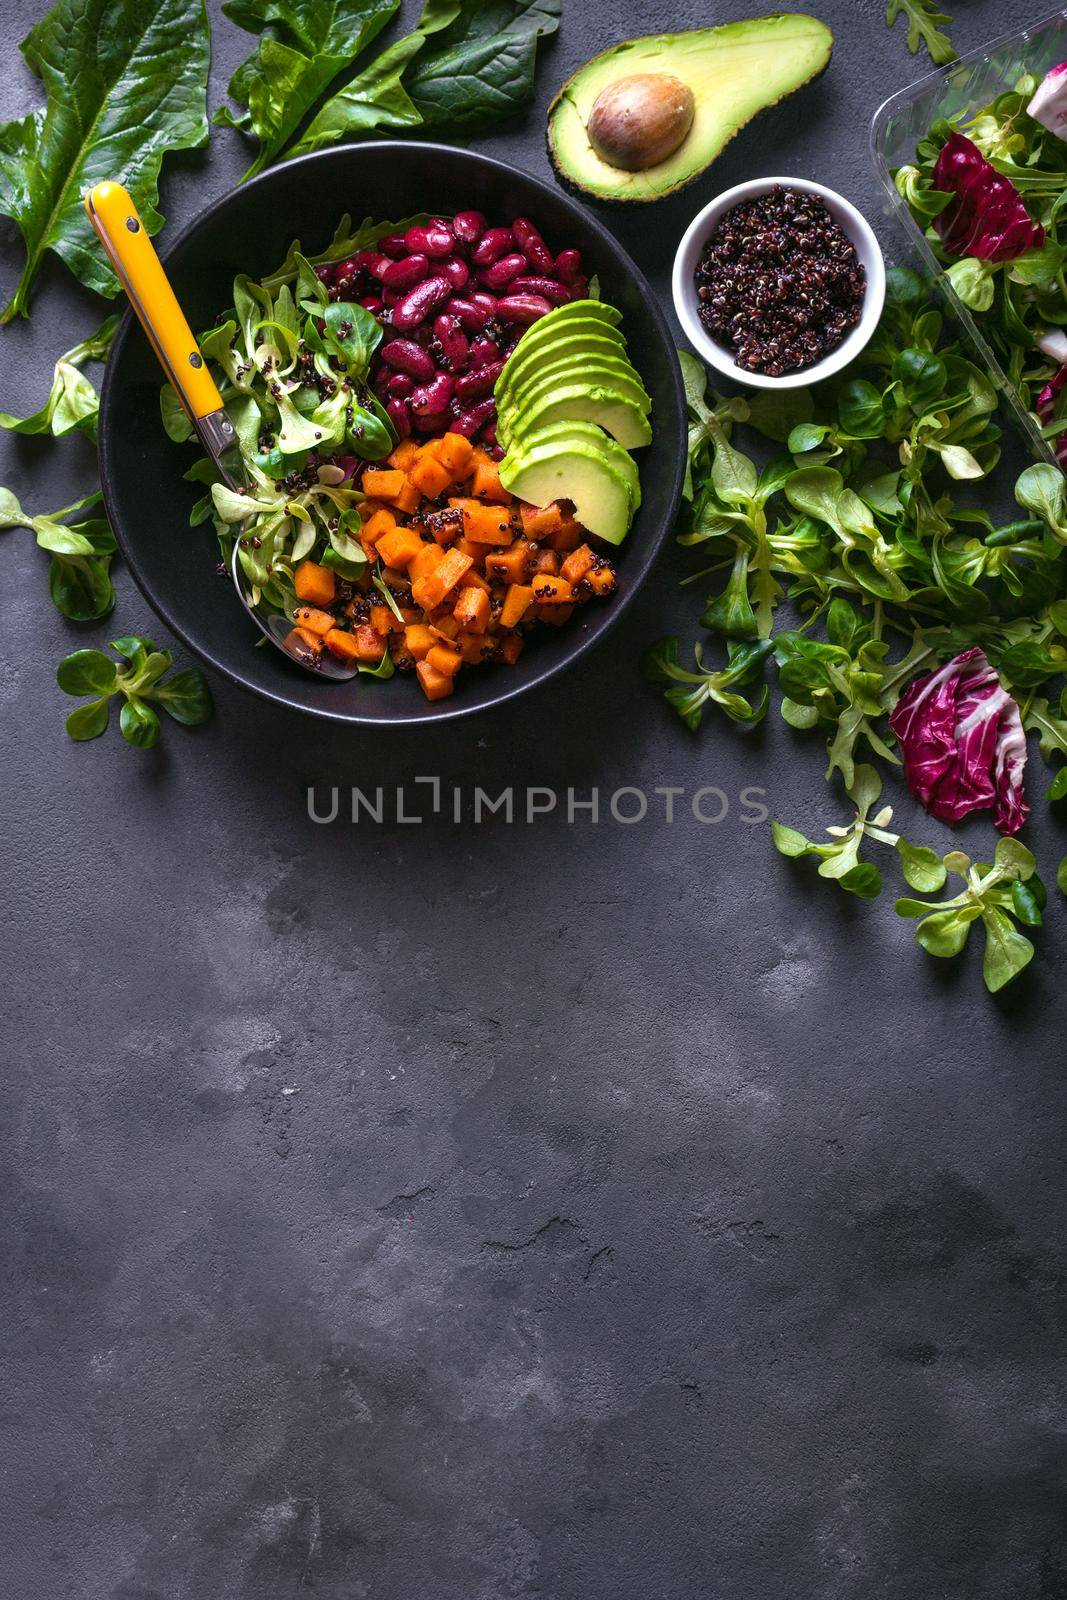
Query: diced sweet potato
x,y
473,647
547,561
443,658
313,620
601,578
317,585
399,547
549,590
456,452
577,564
486,484
429,591
538,522
384,483
384,622
485,524
381,522
555,615
419,638
435,685
429,475
344,645
429,558
516,603
301,642
568,536
509,566
511,648
472,609
402,457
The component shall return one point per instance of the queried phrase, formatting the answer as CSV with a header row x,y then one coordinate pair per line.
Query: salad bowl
x,y
250,231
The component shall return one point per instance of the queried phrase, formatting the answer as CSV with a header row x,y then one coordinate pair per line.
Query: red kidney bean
x,y
404,355
524,308
455,346
456,271
430,399
349,268
532,245
496,451
325,273
579,289
393,245
373,304
468,226
557,293
475,385
483,351
434,423
468,314
405,273
471,422
423,336
376,264
493,243
489,434
569,265
400,417
399,386
500,274
480,297
420,301
380,383
430,239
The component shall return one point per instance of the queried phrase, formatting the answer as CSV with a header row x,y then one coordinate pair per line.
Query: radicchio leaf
x,y
988,219
1049,104
963,744
1046,410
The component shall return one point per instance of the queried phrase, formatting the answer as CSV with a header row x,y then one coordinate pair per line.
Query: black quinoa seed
x,y
779,282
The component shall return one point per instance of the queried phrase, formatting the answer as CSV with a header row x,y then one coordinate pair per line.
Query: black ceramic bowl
x,y
250,231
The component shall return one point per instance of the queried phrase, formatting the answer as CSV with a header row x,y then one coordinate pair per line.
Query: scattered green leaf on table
x,y
125,84
79,580
925,19
72,401
140,678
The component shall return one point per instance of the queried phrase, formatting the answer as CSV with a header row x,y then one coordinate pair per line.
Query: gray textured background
x,y
429,1213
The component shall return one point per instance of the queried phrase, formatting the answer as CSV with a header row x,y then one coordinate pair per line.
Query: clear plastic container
x,y
956,91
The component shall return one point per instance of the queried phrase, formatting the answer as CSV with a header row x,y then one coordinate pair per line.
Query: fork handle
x,y
140,271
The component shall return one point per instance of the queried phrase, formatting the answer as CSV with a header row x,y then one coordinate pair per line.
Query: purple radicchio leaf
x,y
1046,409
1049,105
988,219
963,744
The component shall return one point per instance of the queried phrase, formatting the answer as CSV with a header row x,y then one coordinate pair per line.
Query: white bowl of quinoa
x,y
779,283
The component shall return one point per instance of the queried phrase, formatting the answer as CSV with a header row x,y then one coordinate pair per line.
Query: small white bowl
x,y
700,230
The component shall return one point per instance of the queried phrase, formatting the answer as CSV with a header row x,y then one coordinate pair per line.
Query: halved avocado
x,y
578,401
705,83
606,372
576,462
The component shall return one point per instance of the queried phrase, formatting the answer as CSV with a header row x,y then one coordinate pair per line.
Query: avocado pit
x,y
640,120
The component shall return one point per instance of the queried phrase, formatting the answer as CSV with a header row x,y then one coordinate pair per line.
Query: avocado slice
x,y
731,73
578,401
575,461
602,371
580,339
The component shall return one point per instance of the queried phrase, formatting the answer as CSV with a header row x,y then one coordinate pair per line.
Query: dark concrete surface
x,y
422,1212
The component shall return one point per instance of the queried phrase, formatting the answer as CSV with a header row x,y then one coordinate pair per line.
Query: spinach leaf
x,y
124,84
306,44
484,71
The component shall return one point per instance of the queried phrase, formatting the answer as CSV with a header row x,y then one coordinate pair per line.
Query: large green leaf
x,y
126,81
308,44
483,71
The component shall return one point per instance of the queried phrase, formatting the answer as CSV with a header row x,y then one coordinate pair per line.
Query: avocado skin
x,y
580,191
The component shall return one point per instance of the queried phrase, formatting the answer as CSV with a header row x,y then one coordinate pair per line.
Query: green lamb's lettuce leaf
x,y
306,44
79,581
124,84
142,678
72,401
